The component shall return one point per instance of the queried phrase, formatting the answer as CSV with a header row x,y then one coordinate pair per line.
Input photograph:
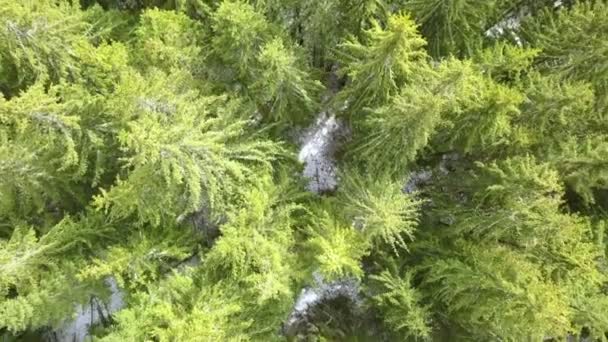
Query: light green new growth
x,y
281,170
380,210
381,63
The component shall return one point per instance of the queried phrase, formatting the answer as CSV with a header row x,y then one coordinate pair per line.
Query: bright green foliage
x,y
400,303
36,39
573,44
380,210
153,144
400,129
337,248
505,62
172,36
266,69
493,293
254,249
102,65
181,146
36,111
143,258
558,123
555,110
22,184
283,88
512,241
39,139
480,114
178,309
521,205
38,285
454,104
240,34
379,65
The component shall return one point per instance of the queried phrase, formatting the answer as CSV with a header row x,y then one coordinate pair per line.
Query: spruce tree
x,y
150,187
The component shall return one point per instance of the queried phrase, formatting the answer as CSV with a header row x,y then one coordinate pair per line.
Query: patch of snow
x,y
512,22
509,23
77,330
417,179
307,298
319,143
317,294
423,177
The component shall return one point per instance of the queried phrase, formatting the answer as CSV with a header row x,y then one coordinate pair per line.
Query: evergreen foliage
x,y
381,64
453,26
400,303
283,89
337,248
153,145
380,210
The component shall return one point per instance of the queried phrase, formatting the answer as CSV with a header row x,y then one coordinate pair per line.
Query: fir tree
x,y
283,88
382,63
152,144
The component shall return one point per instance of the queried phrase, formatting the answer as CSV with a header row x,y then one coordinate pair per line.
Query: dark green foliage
x,y
453,26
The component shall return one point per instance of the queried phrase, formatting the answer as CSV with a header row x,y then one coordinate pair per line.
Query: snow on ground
x,y
315,295
512,22
77,330
319,143
416,180
509,23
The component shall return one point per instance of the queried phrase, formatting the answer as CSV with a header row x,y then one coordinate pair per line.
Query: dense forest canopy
x,y
323,170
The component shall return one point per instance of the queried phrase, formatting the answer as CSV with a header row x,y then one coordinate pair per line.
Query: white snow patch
x,y
417,179
512,22
319,143
307,298
312,296
509,23
97,311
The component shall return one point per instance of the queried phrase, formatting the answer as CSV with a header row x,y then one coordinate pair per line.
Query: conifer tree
x,y
380,210
37,39
151,145
240,34
338,248
382,63
283,88
403,312
572,43
174,37
453,26
39,285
